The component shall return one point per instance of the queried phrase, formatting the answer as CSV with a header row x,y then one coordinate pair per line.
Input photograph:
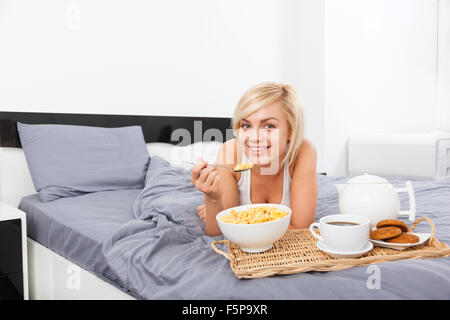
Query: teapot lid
x,y
367,178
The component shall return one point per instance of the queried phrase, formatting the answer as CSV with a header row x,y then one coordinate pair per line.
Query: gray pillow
x,y
66,160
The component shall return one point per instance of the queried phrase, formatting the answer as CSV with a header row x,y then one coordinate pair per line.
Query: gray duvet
x,y
152,245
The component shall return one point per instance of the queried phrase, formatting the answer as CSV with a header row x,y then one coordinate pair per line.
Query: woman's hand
x,y
206,179
202,212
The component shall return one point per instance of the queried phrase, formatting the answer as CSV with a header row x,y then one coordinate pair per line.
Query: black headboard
x,y
155,128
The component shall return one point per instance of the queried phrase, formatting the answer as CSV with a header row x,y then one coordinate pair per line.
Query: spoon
x,y
222,166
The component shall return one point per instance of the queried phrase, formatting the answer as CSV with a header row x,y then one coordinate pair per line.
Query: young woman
x,y
268,127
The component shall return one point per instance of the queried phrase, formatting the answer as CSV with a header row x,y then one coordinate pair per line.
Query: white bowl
x,y
256,237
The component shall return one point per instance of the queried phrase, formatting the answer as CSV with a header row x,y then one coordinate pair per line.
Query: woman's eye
x,y
245,126
269,126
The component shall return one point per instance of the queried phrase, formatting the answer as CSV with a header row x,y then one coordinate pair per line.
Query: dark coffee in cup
x,y
343,223
342,232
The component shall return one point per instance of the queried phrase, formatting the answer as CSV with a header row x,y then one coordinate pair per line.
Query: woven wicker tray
x,y
297,252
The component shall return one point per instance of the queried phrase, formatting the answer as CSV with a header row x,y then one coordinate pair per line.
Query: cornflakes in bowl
x,y
254,227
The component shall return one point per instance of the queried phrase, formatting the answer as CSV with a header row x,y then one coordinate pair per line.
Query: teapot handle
x,y
411,213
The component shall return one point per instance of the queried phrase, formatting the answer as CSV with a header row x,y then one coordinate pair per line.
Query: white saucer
x,y
340,254
402,246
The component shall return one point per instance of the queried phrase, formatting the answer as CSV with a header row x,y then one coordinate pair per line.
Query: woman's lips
x,y
258,150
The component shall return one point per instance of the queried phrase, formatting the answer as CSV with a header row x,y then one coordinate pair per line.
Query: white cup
x,y
343,238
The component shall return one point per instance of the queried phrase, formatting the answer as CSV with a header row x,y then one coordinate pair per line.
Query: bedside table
x,y
420,155
13,254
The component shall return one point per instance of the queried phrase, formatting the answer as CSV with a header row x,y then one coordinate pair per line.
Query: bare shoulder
x,y
307,147
306,158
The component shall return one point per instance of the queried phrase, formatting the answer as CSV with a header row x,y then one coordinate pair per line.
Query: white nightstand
x,y
410,155
13,254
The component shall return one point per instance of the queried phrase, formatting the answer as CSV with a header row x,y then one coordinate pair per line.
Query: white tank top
x,y
245,182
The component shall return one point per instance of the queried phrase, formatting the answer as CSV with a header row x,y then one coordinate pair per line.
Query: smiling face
x,y
263,135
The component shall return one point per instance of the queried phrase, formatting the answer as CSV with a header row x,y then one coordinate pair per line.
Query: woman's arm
x,y
206,179
304,187
219,187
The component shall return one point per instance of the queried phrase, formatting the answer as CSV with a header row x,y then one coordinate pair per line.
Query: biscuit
x,y
393,223
385,233
404,238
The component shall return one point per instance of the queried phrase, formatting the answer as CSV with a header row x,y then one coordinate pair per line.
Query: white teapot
x,y
375,198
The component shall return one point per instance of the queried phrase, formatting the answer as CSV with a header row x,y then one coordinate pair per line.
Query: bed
x,y
150,244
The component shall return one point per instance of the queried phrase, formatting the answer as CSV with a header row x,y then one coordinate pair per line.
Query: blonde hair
x,y
266,93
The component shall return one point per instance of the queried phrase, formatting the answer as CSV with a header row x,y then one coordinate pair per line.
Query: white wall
x,y
380,70
302,36
167,57
443,71
171,57
359,65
